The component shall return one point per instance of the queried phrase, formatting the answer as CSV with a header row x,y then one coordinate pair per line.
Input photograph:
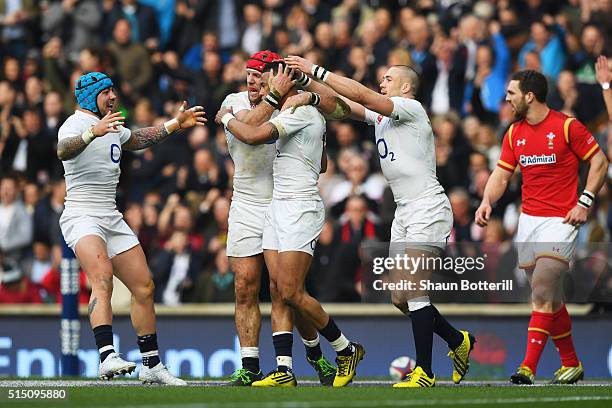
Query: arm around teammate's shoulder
x,y
253,135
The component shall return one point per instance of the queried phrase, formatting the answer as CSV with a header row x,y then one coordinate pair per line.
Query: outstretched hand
x,y
108,124
191,117
302,64
602,70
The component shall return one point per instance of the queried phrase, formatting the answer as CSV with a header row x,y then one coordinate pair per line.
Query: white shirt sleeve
x,y
236,102
370,117
406,110
288,123
124,134
68,130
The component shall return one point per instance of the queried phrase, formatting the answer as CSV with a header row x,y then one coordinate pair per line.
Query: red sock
x,y
539,329
561,334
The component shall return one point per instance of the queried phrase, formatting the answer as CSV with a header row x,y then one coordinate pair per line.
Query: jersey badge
x,y
551,137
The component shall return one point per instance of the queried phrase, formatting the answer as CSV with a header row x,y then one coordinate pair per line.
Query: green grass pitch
x,y
307,397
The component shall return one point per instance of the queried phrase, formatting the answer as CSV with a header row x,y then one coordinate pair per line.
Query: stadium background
x,y
176,195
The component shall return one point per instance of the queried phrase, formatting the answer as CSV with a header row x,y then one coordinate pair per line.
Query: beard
x,y
520,111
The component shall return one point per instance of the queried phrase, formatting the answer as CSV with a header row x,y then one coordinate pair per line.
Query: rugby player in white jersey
x,y
251,198
423,218
293,223
90,143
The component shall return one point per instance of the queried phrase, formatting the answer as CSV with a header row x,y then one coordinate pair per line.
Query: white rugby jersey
x,y
92,175
406,150
298,156
253,164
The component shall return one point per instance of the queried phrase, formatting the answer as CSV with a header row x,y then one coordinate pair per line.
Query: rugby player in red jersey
x,y
547,146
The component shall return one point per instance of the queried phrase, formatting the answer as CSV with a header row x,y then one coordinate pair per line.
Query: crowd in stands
x,y
176,195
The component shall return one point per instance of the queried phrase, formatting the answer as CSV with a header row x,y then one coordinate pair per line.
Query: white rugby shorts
x,y
246,228
544,237
111,227
424,223
293,225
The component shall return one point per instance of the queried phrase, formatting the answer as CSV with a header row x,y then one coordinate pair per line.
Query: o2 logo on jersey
x,y
383,149
115,153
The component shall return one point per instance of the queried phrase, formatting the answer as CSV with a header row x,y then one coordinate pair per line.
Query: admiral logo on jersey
x,y
535,159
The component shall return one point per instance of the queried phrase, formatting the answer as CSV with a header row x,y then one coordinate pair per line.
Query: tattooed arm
x,y
185,119
145,137
70,147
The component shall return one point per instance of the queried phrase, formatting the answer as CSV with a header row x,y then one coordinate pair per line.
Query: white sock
x,y
340,343
418,303
106,348
311,343
286,361
249,352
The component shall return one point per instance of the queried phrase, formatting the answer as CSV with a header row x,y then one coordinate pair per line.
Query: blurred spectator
x,y
216,284
51,281
452,151
133,63
189,18
76,22
357,222
15,222
177,217
205,174
15,286
582,63
547,41
143,22
464,229
47,214
322,260
15,18
146,232
35,154
175,270
194,57
488,88
252,32
358,182
41,262
355,12
564,95
448,78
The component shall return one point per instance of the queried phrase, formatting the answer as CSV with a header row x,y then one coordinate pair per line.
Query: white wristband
x,y
88,136
172,125
319,72
605,86
586,199
226,118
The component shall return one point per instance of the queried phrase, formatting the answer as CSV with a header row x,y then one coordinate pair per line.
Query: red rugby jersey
x,y
548,155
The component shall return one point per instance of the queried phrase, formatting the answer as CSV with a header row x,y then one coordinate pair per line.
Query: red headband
x,y
259,60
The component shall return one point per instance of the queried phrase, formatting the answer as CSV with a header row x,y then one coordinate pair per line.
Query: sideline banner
x,y
208,346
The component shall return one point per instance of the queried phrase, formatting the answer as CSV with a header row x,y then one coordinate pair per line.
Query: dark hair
x,y
532,81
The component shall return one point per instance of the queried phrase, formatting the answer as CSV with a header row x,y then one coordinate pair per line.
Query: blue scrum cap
x,y
88,87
